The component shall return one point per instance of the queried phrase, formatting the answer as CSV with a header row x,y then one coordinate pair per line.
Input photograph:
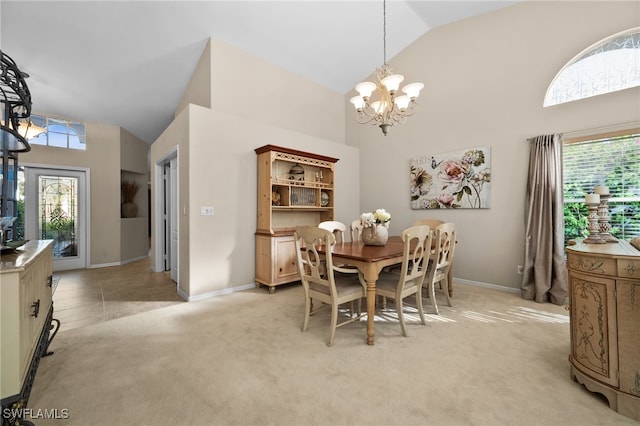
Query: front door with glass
x,y
55,210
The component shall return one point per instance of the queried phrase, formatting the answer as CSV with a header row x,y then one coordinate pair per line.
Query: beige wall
x,y
485,80
102,158
134,232
134,153
199,88
250,87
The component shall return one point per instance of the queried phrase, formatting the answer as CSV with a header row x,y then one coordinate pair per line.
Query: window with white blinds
x,y
612,162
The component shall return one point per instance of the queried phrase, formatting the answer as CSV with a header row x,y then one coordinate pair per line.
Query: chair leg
x,y
307,311
400,310
334,323
432,296
420,307
445,285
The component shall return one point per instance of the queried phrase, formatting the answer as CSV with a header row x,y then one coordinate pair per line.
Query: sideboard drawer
x,y
592,264
628,268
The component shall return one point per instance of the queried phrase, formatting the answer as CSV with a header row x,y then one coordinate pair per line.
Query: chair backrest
x,y
433,223
356,230
415,254
336,228
311,266
445,244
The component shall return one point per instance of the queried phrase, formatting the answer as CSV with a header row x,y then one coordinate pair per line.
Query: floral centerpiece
x,y
375,225
379,216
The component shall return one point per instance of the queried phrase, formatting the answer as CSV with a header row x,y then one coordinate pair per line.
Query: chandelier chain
x,y
384,31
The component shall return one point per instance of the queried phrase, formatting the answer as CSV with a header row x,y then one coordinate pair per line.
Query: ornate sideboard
x,y
604,292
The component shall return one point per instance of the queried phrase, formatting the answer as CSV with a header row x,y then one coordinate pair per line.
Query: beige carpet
x,y
240,359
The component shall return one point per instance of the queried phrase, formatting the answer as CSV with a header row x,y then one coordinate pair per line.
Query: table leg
x,y
371,310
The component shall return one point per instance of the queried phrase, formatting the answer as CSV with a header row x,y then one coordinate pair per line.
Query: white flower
x,y
380,216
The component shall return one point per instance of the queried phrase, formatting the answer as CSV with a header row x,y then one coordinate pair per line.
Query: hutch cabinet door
x,y
286,260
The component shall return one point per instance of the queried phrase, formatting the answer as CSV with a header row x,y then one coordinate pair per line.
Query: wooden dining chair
x,y
410,281
433,223
336,228
444,238
324,285
356,230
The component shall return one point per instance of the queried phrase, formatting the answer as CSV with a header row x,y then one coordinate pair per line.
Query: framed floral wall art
x,y
459,179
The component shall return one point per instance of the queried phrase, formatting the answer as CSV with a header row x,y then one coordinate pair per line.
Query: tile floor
x,y
89,296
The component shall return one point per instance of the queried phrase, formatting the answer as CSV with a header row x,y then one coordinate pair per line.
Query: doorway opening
x,y
166,226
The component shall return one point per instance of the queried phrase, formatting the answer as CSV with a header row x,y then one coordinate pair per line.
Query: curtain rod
x,y
604,131
598,132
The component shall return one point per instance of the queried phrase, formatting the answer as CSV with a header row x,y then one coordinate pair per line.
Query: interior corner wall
x,y
485,80
102,158
198,90
134,153
223,175
249,87
134,231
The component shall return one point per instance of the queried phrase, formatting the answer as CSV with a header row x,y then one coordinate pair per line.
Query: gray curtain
x,y
544,277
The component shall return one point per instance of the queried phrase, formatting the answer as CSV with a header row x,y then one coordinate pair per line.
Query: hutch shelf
x,y
294,188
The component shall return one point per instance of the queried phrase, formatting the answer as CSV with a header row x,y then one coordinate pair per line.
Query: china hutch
x,y
294,188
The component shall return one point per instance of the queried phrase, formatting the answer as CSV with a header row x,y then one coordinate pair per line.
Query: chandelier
x,y
389,109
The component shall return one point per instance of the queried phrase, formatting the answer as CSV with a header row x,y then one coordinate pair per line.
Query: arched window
x,y
610,65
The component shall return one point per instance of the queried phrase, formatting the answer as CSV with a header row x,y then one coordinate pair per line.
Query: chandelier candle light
x,y
388,109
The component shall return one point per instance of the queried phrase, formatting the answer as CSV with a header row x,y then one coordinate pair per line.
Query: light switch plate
x,y
206,211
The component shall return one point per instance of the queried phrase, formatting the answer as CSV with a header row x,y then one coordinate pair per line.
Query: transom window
x,y
59,133
610,65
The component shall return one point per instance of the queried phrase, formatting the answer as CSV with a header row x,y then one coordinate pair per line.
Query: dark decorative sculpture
x,y
15,101
16,105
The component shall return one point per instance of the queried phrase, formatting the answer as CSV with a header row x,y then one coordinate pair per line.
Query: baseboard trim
x,y
104,265
122,262
135,259
215,293
486,285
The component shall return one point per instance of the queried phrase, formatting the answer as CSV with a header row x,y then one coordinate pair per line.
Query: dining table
x,y
369,260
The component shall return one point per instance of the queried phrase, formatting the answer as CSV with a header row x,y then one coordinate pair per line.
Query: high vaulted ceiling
x,y
127,63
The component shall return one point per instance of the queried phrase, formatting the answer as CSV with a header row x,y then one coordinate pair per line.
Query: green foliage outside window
x,y
613,162
18,225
